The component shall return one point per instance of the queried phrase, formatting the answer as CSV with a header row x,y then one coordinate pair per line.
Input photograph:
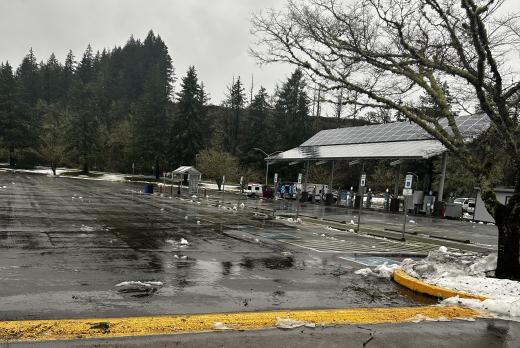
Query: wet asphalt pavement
x,y
479,233
66,243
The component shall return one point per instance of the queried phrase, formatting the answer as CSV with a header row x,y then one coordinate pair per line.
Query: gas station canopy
x,y
397,140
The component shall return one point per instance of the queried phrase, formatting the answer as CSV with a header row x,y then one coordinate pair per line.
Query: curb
x,y
46,330
417,285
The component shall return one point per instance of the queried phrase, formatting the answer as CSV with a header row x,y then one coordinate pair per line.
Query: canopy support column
x,y
443,176
331,176
397,178
306,176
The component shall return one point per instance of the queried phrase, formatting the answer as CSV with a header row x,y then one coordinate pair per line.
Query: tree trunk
x,y
156,169
507,218
11,156
85,167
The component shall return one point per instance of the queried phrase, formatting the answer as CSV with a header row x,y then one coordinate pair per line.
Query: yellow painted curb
x,y
433,290
42,330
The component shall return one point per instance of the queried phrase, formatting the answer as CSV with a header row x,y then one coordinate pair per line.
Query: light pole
x,y
267,161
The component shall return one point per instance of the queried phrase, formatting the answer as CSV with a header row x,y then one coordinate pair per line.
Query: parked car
x,y
468,204
459,200
254,190
267,192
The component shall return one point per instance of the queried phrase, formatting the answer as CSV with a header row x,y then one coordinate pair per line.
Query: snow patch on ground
x,y
444,264
139,283
468,272
472,273
383,271
507,307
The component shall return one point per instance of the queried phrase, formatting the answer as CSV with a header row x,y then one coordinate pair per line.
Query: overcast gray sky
x,y
213,35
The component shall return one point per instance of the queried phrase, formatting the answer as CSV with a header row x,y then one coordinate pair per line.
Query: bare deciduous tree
x,y
393,52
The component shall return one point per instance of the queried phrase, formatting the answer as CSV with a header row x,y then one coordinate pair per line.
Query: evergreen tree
x,y
83,124
69,69
190,119
292,106
52,146
152,122
25,125
52,88
259,130
235,103
10,133
85,70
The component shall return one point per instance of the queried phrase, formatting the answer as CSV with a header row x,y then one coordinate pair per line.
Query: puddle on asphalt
x,y
274,262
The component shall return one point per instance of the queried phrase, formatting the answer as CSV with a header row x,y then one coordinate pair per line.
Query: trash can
x,y
304,197
453,211
148,188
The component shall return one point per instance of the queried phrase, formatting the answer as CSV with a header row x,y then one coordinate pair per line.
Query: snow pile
x,y
382,271
442,263
507,307
471,273
85,228
182,243
138,288
139,283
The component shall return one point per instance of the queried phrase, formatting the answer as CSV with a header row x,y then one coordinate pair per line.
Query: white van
x,y
254,189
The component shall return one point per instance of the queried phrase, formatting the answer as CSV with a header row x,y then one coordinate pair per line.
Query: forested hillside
x,y
111,109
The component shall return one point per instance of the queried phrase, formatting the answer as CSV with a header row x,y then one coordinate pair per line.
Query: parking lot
x,y
78,248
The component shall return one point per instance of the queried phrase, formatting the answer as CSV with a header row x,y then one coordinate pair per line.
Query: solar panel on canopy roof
x,y
469,126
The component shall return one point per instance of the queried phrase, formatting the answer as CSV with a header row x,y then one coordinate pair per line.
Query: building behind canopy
x,y
393,141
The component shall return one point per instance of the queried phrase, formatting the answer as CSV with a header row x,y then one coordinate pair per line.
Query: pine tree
x,y
82,130
52,88
190,119
52,146
85,69
68,75
292,106
259,130
235,103
26,123
152,122
9,132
